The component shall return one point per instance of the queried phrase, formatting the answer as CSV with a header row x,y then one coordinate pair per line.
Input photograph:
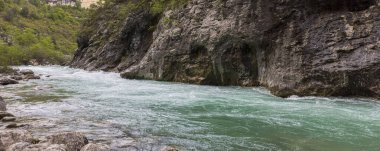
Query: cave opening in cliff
x,y
340,5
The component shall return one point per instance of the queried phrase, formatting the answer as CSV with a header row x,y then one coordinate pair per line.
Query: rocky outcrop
x,y
13,76
74,141
9,137
292,47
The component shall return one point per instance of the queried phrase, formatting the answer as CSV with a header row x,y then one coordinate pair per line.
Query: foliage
x,y
34,30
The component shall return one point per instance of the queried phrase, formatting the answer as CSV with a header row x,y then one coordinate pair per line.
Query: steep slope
x,y
292,47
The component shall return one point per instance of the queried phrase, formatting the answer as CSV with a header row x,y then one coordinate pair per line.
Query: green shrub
x,y
10,14
37,31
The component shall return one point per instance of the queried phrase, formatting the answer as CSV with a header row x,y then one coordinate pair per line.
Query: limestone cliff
x,y
292,47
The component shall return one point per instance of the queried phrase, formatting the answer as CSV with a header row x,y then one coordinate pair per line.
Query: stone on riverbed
x,y
73,140
20,146
45,147
7,81
31,77
95,147
3,105
16,77
9,137
26,72
5,114
8,119
25,146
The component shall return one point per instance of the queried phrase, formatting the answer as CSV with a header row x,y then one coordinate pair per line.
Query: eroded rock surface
x,y
292,47
9,137
73,140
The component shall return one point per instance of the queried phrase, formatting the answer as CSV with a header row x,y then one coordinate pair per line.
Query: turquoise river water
x,y
192,117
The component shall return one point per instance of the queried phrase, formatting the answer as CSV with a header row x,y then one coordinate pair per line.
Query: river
x,y
191,117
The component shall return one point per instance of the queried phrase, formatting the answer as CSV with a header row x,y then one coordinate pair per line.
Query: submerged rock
x,y
8,119
16,77
73,140
26,72
31,77
7,81
46,147
3,105
12,125
5,114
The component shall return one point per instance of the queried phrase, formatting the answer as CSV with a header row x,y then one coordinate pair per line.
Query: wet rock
x,y
20,146
11,126
8,119
9,137
5,114
168,148
7,81
16,77
46,147
95,147
31,77
26,72
3,105
73,140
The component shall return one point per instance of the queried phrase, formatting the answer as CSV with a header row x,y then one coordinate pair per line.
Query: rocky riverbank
x,y
13,76
17,134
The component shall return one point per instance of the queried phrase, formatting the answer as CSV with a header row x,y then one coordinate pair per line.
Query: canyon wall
x,y
292,47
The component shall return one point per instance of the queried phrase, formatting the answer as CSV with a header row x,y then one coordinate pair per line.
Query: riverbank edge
x,y
16,137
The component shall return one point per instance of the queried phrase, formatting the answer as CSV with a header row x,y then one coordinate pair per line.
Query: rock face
x,y
292,47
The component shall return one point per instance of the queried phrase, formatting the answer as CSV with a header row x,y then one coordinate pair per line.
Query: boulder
x,y
45,147
7,81
12,125
20,146
5,114
31,77
9,137
26,72
95,147
73,140
8,119
16,77
3,105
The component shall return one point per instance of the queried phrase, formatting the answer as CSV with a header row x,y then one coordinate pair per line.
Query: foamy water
x,y
192,117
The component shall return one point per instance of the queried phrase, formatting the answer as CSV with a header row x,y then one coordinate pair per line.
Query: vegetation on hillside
x,y
114,12
33,31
